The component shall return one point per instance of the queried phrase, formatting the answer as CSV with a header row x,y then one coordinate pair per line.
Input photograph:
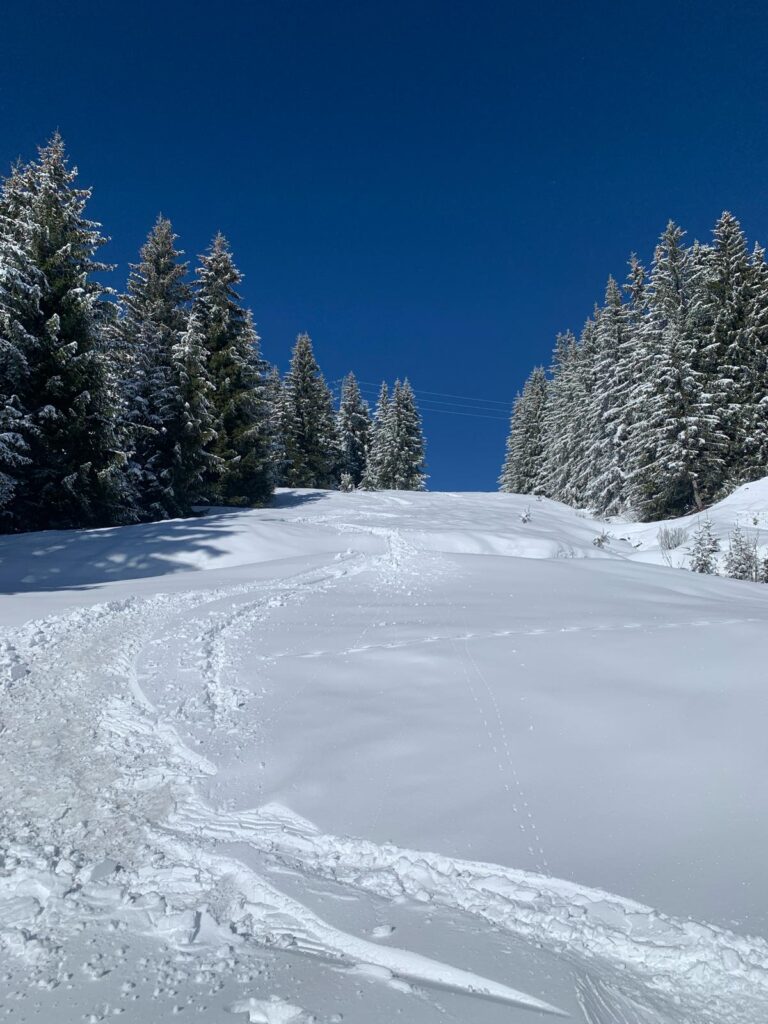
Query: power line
x,y
425,403
485,415
479,402
444,394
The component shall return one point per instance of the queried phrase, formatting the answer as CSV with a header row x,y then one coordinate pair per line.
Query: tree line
x,y
119,409
661,406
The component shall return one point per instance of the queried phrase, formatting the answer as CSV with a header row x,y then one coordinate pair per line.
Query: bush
x,y
671,537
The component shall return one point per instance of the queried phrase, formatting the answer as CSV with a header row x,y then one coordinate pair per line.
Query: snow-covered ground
x,y
379,757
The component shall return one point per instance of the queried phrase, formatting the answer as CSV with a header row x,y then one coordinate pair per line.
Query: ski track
x,y
117,778
134,842
627,955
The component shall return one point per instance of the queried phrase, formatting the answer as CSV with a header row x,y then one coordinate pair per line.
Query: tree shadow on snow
x,y
79,559
290,499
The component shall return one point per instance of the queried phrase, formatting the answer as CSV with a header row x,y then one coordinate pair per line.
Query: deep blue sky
x,y
431,188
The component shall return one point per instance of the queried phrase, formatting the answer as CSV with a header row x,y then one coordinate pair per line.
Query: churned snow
x,y
376,757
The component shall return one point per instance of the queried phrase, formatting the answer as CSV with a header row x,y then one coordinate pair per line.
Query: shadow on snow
x,y
80,559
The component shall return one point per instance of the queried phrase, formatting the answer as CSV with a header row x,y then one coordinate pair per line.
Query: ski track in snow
x,y
117,779
133,840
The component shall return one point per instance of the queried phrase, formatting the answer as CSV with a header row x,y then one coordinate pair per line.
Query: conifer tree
x,y
724,303
403,464
609,410
151,328
63,398
240,398
13,457
273,397
637,293
677,449
585,431
377,452
561,453
19,310
741,560
752,459
704,549
308,422
353,426
191,413
523,469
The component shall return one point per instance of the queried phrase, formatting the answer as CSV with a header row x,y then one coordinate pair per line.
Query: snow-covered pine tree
x,y
723,302
754,408
636,289
404,458
560,426
308,422
151,327
378,449
609,410
191,415
586,432
273,396
676,449
741,559
19,311
74,476
523,468
516,455
13,458
703,552
353,426
241,403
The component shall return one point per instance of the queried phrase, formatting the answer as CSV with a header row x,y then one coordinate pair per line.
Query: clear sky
x,y
431,188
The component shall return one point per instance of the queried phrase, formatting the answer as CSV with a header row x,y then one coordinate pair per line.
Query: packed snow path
x,y
381,665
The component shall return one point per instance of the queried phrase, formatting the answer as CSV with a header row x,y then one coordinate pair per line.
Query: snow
x,y
365,757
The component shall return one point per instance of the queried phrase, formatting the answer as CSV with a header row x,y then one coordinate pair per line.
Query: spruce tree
x,y
308,422
19,309
753,458
741,560
677,448
151,328
403,468
725,302
637,292
353,426
561,453
523,468
375,464
64,397
609,411
703,553
273,397
191,413
586,432
242,445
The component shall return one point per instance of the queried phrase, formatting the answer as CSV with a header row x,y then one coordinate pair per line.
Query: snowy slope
x,y
376,757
